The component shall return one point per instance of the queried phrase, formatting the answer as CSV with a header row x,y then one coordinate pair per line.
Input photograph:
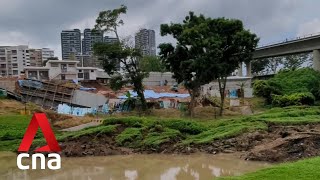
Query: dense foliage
x,y
151,64
207,49
295,99
296,87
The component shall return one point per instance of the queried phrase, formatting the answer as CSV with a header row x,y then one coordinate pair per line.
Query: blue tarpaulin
x,y
86,89
30,83
148,94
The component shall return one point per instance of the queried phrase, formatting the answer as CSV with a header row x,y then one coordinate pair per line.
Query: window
x,y
15,72
3,65
80,70
14,65
92,70
80,75
54,65
33,74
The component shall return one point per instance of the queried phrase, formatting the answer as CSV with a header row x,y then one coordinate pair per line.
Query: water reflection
x,y
134,167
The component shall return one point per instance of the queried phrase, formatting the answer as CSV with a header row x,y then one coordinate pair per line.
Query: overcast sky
x,y
39,22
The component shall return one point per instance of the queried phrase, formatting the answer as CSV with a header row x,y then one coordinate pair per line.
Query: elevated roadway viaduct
x,y
310,43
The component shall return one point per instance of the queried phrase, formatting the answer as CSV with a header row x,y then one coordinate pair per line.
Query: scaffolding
x,y
48,95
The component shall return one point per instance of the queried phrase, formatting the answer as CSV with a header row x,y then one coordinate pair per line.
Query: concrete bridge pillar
x,y
248,69
240,73
316,60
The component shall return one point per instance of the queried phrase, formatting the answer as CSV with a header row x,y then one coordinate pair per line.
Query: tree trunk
x,y
222,87
143,100
194,94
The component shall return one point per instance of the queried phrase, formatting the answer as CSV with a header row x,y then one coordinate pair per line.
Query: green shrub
x,y
288,82
262,88
295,99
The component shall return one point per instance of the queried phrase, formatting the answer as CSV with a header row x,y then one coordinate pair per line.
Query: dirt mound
x,y
287,144
101,145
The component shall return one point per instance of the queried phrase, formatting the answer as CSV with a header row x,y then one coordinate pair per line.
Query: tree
x,y
295,61
259,66
111,55
207,49
151,64
108,21
273,64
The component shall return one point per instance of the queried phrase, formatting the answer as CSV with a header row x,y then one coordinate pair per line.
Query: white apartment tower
x,y
47,53
145,40
13,59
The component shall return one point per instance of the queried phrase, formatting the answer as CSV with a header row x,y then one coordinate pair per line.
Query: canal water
x,y
134,167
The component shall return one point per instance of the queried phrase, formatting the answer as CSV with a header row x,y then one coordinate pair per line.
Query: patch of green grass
x,y
225,129
308,119
303,170
154,139
12,129
185,126
109,129
129,135
131,121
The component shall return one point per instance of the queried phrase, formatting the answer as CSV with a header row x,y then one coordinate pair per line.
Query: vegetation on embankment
x,y
290,87
307,169
290,127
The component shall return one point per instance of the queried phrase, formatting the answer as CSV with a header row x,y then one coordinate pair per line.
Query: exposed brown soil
x,y
278,144
93,146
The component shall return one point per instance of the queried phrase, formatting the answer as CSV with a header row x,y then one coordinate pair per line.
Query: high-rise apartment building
x,y
13,59
89,39
47,53
145,40
110,40
70,43
35,57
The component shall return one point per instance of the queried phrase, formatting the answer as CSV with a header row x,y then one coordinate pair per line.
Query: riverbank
x,y
277,135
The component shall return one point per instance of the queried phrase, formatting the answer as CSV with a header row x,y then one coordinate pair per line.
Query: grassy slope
x,y
12,129
303,170
152,131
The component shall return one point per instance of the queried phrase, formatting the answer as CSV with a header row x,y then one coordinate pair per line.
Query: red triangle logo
x,y
39,120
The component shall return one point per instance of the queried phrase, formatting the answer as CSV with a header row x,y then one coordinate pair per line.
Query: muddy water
x,y
134,167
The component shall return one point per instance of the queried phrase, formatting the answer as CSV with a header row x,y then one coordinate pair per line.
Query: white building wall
x,y
158,78
46,53
15,59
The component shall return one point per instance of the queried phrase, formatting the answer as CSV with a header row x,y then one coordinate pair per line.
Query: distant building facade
x,y
110,40
35,57
70,43
13,59
47,53
64,70
89,39
145,40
